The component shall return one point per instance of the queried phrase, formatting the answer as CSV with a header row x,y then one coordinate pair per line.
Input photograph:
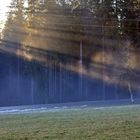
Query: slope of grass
x,y
116,123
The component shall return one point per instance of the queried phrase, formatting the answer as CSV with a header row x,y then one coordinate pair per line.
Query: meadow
x,y
89,123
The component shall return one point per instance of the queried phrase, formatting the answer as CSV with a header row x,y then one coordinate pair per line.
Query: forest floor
x,y
89,123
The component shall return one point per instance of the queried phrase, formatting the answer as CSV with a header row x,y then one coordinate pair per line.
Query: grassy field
x,y
116,123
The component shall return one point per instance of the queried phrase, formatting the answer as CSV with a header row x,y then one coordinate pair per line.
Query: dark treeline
x,y
96,23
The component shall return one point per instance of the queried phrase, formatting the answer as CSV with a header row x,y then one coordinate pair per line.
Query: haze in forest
x,y
94,39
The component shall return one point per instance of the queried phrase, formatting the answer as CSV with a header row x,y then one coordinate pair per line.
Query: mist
x,y
68,51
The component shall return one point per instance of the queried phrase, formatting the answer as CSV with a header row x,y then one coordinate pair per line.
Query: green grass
x,y
117,123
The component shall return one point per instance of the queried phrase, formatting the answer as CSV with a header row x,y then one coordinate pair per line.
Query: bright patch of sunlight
x,y
4,7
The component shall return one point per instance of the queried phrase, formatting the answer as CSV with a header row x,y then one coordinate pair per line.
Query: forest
x,y
58,45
